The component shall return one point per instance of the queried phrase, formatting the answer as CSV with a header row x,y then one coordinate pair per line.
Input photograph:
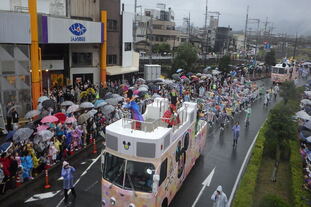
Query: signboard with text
x,y
62,30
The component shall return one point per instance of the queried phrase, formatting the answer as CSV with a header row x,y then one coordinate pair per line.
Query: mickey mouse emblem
x,y
126,145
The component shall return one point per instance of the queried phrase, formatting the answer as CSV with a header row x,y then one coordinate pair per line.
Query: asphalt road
x,y
218,154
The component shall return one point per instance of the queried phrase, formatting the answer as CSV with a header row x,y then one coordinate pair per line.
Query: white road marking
x,y
243,166
42,196
91,186
61,178
205,183
85,171
83,163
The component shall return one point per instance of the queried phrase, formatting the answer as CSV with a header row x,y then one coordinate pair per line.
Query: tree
x,y
289,92
270,58
224,63
161,48
186,56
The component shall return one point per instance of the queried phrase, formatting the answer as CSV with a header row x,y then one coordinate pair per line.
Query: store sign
x,y
63,30
77,30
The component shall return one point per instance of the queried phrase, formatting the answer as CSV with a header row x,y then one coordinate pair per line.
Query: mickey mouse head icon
x,y
126,145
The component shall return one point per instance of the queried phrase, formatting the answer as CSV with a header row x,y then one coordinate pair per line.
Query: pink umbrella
x,y
70,120
49,119
136,92
183,77
42,127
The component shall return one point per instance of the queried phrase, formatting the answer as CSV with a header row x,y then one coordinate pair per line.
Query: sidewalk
x,y
54,172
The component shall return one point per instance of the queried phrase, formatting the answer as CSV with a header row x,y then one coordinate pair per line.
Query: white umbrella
x,y
46,135
43,98
86,105
72,109
307,124
92,112
31,114
303,115
308,93
67,103
308,139
215,72
143,89
306,101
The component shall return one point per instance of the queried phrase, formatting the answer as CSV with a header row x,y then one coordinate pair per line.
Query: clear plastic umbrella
x,y
83,118
22,134
67,103
45,135
86,105
92,113
114,101
43,98
108,109
32,113
72,109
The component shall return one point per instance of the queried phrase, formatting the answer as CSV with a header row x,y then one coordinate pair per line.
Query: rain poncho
x,y
27,165
67,174
220,200
133,106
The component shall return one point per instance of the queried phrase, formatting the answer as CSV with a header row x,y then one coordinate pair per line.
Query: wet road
x,y
218,154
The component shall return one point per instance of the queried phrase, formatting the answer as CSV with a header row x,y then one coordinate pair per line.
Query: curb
x,y
39,180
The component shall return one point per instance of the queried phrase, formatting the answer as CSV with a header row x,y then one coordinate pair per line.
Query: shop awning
x,y
118,70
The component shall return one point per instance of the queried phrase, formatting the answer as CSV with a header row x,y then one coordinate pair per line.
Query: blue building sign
x,y
77,30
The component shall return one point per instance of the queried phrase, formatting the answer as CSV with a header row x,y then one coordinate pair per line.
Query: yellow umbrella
x,y
91,90
83,94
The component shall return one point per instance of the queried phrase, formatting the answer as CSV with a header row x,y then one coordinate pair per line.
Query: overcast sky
x,y
288,16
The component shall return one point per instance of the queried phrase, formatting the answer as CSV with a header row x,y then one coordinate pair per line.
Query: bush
x,y
245,192
297,176
272,201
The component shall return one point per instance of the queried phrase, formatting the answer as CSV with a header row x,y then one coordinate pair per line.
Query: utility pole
x,y
189,28
135,21
295,47
245,31
205,33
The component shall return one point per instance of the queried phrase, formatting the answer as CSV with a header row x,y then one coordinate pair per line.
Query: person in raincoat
x,y
219,198
67,173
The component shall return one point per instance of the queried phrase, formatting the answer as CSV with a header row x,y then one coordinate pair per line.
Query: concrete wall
x,y
114,38
85,8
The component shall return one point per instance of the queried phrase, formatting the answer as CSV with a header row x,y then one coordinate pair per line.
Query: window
x,y
128,46
82,59
282,71
156,26
112,25
112,59
163,172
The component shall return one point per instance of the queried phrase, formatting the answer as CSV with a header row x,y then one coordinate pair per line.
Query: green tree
x,y
281,128
270,58
186,56
289,92
224,63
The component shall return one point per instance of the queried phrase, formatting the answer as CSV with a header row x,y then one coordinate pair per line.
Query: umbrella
x,y
140,80
175,76
136,92
114,101
30,125
91,90
5,146
46,135
142,89
22,134
13,107
48,104
70,120
61,117
9,135
99,103
49,119
108,109
43,98
303,115
31,114
67,103
92,113
108,95
155,95
308,93
308,139
42,127
117,95
306,101
83,118
179,70
307,125
189,74
86,105
72,109
83,94
183,77
198,74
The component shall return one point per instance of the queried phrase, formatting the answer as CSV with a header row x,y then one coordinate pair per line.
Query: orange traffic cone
x,y
94,147
46,186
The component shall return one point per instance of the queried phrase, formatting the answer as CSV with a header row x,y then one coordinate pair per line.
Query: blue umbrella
x,y
179,70
100,103
4,147
9,135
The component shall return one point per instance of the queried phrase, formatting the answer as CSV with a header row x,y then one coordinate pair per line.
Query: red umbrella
x,y
61,117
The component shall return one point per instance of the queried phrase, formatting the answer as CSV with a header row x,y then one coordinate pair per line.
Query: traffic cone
x,y
47,186
94,147
18,181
